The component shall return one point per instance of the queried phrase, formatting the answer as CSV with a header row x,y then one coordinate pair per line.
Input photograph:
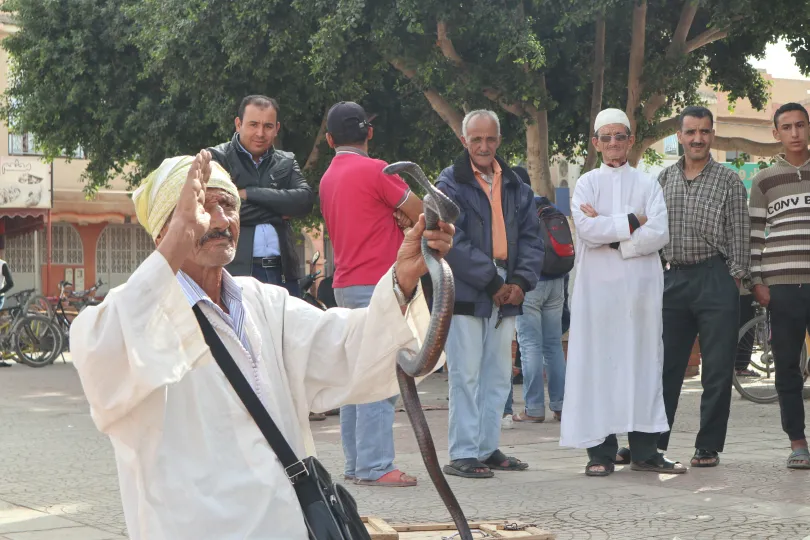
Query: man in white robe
x,y
192,464
615,352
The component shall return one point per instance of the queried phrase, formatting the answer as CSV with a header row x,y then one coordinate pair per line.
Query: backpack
x,y
557,239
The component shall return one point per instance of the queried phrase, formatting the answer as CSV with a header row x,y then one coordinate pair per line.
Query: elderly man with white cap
x,y
615,352
191,461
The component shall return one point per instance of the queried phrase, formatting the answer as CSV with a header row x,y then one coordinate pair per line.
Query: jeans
x,y
367,431
539,333
790,318
272,276
480,362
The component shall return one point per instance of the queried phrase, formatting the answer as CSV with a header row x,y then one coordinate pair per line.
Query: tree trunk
x,y
635,155
537,160
636,61
315,153
598,87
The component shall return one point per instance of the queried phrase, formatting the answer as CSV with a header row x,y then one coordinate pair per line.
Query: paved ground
x,y
58,478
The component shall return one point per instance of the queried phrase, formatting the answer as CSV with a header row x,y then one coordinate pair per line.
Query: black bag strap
x,y
292,465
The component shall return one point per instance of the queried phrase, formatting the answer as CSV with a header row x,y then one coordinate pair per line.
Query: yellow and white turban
x,y
158,194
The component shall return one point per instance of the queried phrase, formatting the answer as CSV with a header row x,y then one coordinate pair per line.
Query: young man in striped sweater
x,y
780,264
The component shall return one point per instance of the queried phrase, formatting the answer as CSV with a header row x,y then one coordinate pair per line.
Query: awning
x,y
18,221
23,212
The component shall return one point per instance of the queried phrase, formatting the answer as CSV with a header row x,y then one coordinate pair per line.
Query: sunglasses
x,y
619,137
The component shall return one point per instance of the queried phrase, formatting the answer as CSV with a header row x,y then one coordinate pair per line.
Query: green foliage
x,y
653,158
741,160
135,81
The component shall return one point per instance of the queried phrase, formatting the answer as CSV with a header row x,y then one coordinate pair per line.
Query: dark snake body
x,y
437,206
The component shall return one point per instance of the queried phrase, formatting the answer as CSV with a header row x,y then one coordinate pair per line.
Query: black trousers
x,y
701,299
272,276
745,347
790,316
642,447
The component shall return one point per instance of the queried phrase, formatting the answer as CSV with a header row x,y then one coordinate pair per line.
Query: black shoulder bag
x,y
330,511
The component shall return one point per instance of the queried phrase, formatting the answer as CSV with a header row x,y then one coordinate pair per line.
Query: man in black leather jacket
x,y
272,189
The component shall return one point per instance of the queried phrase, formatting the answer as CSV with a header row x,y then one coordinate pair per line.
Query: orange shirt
x,y
499,246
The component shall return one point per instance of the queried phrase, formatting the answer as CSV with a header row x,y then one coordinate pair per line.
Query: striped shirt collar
x,y
231,297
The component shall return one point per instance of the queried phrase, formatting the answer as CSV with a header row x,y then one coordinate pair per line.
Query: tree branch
x,y
598,77
315,153
495,96
443,108
709,36
658,132
446,45
676,46
652,105
636,61
752,148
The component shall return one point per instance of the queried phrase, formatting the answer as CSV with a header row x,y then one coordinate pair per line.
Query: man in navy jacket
x,y
496,252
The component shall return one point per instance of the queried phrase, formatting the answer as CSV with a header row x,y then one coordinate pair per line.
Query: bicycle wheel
x,y
755,337
39,304
36,340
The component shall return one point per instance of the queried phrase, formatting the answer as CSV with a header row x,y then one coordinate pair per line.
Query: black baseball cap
x,y
348,121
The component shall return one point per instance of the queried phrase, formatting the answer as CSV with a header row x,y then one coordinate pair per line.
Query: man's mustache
x,y
214,235
697,145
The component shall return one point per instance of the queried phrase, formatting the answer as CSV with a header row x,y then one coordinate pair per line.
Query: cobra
x,y
437,207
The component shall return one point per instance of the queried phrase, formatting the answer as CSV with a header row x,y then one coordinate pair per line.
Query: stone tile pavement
x,y
58,479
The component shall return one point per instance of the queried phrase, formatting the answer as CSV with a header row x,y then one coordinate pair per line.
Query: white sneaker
x,y
507,422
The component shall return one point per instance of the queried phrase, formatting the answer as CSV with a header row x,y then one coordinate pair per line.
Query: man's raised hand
x,y
190,215
189,220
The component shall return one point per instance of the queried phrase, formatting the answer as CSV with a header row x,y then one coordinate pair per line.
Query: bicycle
x,y
53,307
34,339
756,335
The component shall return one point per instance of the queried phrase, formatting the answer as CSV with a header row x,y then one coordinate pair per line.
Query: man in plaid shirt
x,y
709,258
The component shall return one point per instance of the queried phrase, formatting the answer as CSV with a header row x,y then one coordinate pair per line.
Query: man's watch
x,y
401,298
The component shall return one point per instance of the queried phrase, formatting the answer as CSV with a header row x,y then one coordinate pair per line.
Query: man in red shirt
x,y
363,209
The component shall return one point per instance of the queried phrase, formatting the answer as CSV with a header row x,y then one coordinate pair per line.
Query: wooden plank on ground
x,y
379,529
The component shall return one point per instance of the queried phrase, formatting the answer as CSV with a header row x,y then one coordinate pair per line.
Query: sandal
x,y
497,459
590,468
659,464
395,478
557,416
624,456
799,459
468,468
702,455
316,417
523,417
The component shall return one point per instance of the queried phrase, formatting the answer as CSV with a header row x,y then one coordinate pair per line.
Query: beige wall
x,y
70,204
